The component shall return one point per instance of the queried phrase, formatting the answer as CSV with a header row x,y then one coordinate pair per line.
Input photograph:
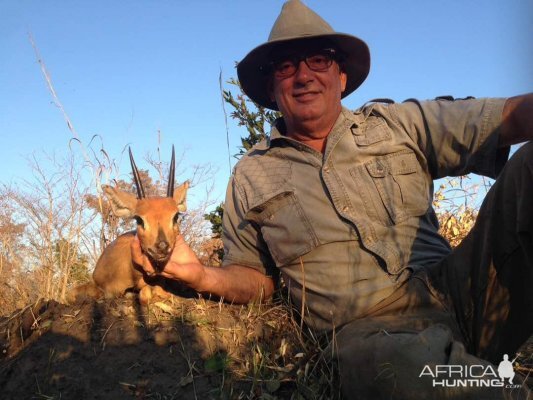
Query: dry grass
x,y
231,352
455,202
258,345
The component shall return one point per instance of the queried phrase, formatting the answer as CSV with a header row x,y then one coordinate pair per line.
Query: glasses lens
x,y
284,68
319,62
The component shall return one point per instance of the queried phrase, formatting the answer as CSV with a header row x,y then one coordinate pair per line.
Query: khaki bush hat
x,y
297,22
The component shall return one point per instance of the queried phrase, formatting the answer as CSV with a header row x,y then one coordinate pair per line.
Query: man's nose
x,y
303,72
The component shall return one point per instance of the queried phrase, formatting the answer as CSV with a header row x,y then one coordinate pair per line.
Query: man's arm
x,y
517,120
235,283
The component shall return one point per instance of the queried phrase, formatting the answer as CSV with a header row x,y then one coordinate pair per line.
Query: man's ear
x,y
344,80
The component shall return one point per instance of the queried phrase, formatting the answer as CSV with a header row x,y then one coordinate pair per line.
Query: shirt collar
x,y
278,128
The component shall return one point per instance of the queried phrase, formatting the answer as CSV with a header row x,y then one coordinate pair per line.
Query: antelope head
x,y
156,217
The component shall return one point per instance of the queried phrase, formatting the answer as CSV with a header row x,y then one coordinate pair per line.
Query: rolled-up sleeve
x,y
457,136
243,244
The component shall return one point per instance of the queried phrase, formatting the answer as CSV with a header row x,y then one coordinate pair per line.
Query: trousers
x,y
453,328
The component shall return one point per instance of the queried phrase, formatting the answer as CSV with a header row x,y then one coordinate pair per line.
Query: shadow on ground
x,y
114,349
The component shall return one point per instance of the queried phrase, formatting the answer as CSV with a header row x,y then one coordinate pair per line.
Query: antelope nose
x,y
163,247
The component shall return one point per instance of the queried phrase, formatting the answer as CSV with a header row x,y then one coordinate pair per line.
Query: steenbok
x,y
157,228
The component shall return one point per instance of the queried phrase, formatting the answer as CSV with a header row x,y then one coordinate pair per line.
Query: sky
x,y
135,72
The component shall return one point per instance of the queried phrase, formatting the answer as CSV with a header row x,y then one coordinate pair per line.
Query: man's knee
x,y
403,365
514,188
521,158
521,175
389,364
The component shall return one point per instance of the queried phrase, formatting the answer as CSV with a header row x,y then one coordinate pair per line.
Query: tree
x,y
69,253
215,217
455,203
12,252
255,118
11,233
52,209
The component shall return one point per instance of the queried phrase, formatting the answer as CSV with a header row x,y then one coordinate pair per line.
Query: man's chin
x,y
303,109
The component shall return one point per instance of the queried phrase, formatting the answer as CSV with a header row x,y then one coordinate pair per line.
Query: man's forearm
x,y
235,283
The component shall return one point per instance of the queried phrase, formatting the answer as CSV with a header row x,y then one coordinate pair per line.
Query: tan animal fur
x,y
157,229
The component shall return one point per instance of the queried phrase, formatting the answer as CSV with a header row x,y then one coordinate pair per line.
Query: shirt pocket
x,y
284,226
393,187
374,130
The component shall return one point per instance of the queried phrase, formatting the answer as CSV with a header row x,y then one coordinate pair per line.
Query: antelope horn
x,y
137,178
170,189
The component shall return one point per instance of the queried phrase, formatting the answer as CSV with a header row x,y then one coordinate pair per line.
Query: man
x,y
340,204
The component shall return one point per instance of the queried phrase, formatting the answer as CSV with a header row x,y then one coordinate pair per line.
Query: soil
x,y
177,349
116,349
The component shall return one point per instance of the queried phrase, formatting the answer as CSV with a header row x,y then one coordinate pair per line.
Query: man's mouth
x,y
305,96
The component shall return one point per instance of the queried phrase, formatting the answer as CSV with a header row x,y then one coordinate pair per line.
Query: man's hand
x,y
182,266
235,283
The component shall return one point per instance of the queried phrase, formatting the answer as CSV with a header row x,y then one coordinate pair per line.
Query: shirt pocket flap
x,y
403,164
377,168
265,209
397,164
399,188
373,130
284,227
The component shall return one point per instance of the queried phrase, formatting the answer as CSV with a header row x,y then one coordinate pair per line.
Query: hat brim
x,y
254,81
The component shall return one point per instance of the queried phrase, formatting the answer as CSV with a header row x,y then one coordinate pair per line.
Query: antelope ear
x,y
123,204
180,196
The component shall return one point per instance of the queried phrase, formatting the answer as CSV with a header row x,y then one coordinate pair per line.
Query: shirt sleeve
x,y
457,136
243,243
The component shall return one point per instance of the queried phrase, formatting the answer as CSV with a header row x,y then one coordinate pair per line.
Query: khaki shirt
x,y
349,225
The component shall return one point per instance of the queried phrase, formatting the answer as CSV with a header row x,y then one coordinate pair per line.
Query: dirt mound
x,y
177,349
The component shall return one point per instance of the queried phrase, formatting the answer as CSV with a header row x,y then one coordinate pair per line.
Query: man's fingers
x,y
139,257
182,253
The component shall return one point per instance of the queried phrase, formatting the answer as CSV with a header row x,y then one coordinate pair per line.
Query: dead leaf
x,y
165,307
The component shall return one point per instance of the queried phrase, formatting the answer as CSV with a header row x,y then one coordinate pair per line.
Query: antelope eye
x,y
176,218
139,221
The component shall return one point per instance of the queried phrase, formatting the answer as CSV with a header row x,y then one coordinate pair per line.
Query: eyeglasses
x,y
318,61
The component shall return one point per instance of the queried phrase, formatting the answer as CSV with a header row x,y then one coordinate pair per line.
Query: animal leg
x,y
84,291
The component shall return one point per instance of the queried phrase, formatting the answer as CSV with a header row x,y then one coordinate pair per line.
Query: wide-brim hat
x,y
297,22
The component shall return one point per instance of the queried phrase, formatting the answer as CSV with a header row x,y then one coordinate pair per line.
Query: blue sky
x,y
125,70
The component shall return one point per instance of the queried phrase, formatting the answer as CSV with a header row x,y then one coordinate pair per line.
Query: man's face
x,y
308,98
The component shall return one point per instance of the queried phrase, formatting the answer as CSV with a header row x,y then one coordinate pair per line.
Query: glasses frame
x,y
296,59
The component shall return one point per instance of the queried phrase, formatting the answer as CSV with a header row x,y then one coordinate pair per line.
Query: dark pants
x,y
468,310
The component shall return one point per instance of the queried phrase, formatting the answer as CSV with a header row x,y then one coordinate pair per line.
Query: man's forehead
x,y
300,46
